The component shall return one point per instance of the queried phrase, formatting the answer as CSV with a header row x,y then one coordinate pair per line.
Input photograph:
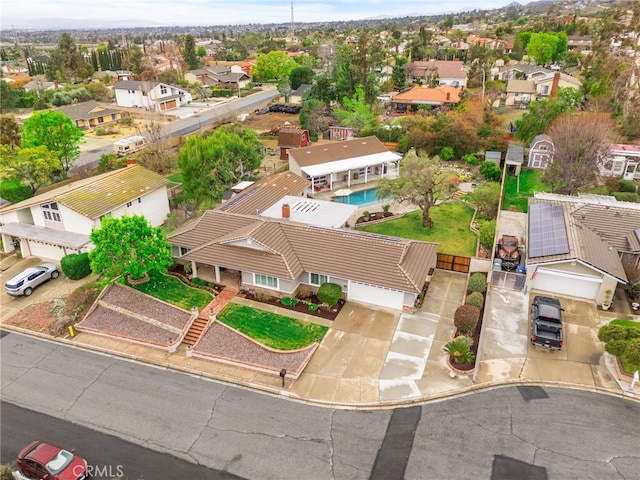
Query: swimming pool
x,y
360,198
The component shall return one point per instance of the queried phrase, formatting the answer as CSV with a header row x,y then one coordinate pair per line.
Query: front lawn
x,y
518,189
627,366
173,291
451,228
270,329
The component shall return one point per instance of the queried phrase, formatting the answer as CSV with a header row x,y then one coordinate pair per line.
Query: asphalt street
x,y
528,432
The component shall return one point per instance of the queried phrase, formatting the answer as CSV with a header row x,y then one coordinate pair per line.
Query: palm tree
x,y
459,349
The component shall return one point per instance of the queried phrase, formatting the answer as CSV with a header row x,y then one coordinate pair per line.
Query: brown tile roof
x,y
286,249
265,192
332,152
439,95
612,224
521,86
446,68
99,195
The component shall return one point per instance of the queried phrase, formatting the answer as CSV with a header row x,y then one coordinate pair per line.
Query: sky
x,y
54,14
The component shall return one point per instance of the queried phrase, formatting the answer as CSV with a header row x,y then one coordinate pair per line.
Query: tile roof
x,y
99,195
86,110
135,85
521,86
332,152
446,68
285,249
437,95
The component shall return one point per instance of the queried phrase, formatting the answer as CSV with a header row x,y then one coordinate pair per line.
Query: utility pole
x,y
293,31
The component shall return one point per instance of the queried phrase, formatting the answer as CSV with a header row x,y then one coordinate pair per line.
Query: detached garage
x,y
375,295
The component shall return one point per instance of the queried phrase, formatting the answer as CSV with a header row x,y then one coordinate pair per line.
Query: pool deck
x,y
396,207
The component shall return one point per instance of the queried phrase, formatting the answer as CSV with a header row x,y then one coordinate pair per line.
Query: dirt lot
x,y
270,121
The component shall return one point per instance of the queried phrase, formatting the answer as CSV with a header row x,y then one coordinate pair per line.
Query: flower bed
x,y
309,305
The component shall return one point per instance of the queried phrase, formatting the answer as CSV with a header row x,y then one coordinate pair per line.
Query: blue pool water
x,y
363,197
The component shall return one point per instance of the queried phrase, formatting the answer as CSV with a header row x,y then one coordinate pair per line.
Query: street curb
x,y
463,391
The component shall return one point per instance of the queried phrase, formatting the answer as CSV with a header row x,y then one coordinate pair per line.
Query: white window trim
x,y
255,281
320,275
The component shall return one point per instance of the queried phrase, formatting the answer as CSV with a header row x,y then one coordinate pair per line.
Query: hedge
x,y
466,318
330,293
477,283
476,299
76,265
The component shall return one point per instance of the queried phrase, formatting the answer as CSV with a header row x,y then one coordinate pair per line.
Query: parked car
x,y
28,279
508,251
45,461
546,322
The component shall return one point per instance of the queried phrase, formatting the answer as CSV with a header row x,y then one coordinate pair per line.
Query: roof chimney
x,y
448,96
554,85
202,76
131,161
286,210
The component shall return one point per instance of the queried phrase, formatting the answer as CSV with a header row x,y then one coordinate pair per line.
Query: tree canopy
x,y
357,112
274,65
423,181
34,166
129,246
55,131
189,52
210,164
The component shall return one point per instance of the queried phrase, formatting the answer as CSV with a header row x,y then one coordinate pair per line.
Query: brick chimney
x,y
131,161
554,85
448,96
202,77
286,210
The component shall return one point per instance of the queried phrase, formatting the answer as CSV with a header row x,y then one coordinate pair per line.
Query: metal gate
x,y
454,263
509,280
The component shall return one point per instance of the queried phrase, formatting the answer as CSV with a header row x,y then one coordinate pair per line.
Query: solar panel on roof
x,y
547,230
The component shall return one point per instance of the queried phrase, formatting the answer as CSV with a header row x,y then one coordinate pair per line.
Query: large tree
x,y
212,164
423,181
189,52
357,112
9,133
55,131
66,61
35,166
301,75
129,246
579,141
272,66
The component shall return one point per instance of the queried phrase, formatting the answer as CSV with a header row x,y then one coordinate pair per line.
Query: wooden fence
x,y
454,263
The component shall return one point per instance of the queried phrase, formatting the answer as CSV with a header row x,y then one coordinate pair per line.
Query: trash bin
x,y
521,269
497,265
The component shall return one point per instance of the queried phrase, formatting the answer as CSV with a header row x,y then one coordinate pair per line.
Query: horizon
x,y
46,15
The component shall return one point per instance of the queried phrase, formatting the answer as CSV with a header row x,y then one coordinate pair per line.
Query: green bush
x,y
446,154
616,347
466,318
626,185
633,333
76,265
330,293
612,332
490,171
101,132
633,351
471,159
126,121
459,349
625,196
289,301
476,299
487,232
313,307
477,283
14,191
199,281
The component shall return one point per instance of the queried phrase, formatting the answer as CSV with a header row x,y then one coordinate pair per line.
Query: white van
x,y
128,145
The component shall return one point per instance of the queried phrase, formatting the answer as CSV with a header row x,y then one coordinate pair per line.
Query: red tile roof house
x,y
342,164
411,99
292,138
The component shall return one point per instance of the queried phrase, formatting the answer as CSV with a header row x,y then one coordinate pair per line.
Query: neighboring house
x,y
90,114
292,138
519,93
114,75
541,152
575,244
446,72
414,97
621,161
341,164
40,84
296,95
580,44
219,76
153,96
58,222
521,71
279,255
547,85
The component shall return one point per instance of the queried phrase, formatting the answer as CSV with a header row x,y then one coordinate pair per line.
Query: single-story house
x,y
541,152
521,71
576,244
548,85
39,84
221,76
296,95
416,96
519,93
155,96
621,161
292,138
446,72
279,255
90,114
339,164
58,222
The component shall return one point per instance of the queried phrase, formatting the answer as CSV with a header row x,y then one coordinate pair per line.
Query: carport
x,y
42,241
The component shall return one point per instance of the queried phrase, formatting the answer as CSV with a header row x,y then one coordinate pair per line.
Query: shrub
x,y
466,318
459,349
446,154
126,121
471,159
14,191
330,293
199,281
633,351
477,283
612,332
476,299
313,307
487,232
79,301
490,171
626,185
625,196
101,132
289,301
633,333
616,347
76,265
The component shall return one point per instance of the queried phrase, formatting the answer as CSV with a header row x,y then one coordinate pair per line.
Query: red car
x,y
48,462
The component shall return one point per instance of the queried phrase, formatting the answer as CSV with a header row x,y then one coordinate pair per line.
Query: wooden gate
x,y
453,263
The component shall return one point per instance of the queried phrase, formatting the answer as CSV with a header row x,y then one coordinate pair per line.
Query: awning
x,y
355,163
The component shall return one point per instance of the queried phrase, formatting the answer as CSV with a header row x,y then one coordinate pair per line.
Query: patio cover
x,y
355,163
46,235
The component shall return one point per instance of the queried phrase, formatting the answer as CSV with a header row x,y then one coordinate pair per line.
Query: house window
x,y
184,251
265,281
106,215
129,204
544,90
317,279
100,119
139,200
50,212
163,89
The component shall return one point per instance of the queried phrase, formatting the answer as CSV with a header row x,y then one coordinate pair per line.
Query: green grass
x,y
627,366
451,228
530,182
270,329
173,291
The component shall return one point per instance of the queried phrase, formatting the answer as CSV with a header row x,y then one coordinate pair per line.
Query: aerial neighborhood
x,y
379,212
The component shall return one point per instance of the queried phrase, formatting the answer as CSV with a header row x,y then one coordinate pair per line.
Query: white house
x,y
154,96
622,161
59,222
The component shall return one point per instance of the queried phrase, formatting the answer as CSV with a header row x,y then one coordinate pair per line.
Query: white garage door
x,y
46,251
564,283
382,297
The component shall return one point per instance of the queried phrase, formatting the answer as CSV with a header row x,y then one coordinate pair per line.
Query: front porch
x,y
356,179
